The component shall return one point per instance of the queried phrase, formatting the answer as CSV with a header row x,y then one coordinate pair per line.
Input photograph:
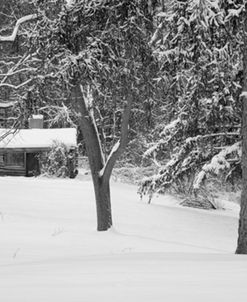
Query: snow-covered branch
x,y
118,147
15,87
58,114
12,37
17,68
113,151
89,130
198,137
157,34
12,73
218,163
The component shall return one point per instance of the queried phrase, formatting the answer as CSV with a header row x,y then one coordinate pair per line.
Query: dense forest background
x,y
170,74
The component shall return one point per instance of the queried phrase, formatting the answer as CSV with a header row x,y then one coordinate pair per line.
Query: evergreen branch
x,y
217,163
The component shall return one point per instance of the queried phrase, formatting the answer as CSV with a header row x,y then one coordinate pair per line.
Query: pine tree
x,y
198,44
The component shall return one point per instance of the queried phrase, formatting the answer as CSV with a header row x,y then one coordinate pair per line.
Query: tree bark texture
x,y
96,161
103,203
242,230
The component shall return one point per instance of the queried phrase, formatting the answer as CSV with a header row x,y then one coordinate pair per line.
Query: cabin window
x,y
14,159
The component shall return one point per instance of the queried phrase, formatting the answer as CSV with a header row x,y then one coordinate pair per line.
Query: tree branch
x,y
12,73
89,131
121,143
24,19
157,34
17,86
195,138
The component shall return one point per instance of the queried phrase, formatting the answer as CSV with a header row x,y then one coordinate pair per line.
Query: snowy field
x,y
51,252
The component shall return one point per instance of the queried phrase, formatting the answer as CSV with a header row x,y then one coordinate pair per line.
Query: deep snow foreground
x,y
51,252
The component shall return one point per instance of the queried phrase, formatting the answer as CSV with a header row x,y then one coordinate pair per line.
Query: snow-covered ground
x,y
51,252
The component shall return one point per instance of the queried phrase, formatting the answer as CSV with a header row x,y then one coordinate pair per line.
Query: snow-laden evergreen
x,y
198,44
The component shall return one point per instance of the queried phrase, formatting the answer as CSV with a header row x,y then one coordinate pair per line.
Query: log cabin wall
x,y
13,163
20,162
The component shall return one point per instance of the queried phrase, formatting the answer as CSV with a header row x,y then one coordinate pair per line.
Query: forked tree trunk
x,y
101,170
242,230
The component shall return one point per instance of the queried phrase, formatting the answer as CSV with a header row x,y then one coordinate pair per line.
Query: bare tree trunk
x,y
103,203
101,170
242,230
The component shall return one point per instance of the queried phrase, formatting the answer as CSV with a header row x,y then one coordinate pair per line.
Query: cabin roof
x,y
36,138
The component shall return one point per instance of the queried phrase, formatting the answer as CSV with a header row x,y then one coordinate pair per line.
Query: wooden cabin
x,y
19,148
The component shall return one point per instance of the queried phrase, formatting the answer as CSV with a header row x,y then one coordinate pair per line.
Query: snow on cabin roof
x,y
37,138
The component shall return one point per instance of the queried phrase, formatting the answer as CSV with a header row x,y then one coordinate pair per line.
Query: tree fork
x,y
96,160
101,171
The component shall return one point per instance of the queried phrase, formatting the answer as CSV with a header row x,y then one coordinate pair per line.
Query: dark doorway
x,y
32,164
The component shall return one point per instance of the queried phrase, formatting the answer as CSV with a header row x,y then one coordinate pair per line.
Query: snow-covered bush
x,y
58,162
